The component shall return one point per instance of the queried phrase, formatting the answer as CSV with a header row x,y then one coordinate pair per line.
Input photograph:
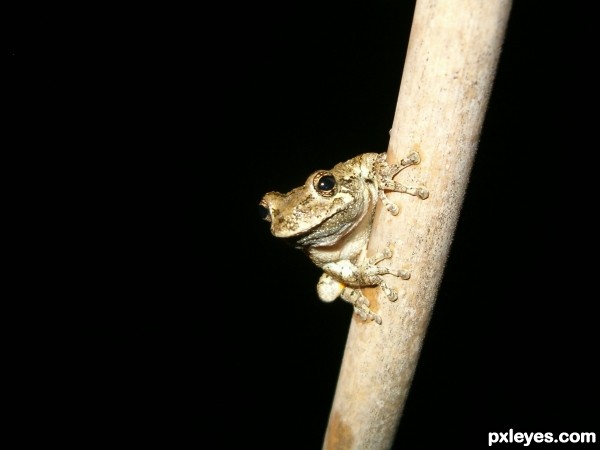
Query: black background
x,y
189,322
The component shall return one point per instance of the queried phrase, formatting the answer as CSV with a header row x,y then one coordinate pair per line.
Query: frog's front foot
x,y
386,172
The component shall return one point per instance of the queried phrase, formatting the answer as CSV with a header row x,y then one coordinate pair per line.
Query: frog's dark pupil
x,y
326,183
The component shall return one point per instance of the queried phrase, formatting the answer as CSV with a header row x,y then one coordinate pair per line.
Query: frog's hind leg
x,y
372,273
372,268
361,304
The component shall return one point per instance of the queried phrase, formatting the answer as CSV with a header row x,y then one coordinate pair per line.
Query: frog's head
x,y
320,213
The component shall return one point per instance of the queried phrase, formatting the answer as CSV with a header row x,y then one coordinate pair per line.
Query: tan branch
x,y
450,65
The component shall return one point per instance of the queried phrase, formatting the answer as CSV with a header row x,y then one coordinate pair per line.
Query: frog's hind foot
x,y
360,304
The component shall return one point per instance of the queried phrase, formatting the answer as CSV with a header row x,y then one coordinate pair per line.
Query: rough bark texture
x,y
450,65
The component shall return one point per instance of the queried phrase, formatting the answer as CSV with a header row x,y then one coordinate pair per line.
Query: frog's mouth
x,y
326,234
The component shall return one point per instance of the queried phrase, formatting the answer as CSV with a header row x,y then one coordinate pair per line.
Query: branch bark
x,y
450,66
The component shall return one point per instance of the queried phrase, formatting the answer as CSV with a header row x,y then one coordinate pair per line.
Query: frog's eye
x,y
324,184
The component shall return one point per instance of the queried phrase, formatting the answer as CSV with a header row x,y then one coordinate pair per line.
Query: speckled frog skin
x,y
330,219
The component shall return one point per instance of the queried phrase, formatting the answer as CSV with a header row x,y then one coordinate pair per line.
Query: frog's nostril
x,y
264,212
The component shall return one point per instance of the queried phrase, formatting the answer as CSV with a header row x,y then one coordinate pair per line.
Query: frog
x,y
330,219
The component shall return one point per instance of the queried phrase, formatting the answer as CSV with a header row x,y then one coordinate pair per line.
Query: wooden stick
x,y
450,65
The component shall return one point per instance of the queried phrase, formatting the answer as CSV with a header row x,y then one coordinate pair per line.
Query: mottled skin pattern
x,y
330,219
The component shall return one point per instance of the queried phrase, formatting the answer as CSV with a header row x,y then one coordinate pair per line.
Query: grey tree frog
x,y
330,219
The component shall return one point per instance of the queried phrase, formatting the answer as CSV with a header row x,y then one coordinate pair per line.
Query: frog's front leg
x,y
385,173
